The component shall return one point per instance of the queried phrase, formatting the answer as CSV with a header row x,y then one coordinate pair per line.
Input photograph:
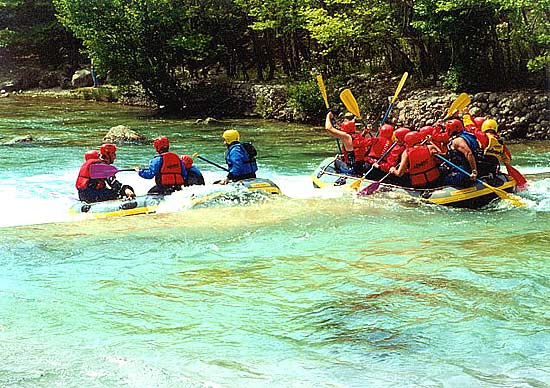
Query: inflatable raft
x,y
145,204
472,197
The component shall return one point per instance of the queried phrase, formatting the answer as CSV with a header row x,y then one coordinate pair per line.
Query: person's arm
x,y
461,145
402,165
236,159
122,190
153,169
345,137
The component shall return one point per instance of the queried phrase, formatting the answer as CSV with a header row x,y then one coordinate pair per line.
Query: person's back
x,y
194,175
379,144
493,150
422,167
462,146
166,168
100,189
240,163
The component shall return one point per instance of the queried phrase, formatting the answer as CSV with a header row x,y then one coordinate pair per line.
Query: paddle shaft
x,y
381,158
102,171
212,163
397,91
323,90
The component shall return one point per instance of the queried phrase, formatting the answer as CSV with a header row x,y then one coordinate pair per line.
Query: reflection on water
x,y
307,289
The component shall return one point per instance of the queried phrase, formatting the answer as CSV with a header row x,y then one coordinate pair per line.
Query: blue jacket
x,y
239,162
154,168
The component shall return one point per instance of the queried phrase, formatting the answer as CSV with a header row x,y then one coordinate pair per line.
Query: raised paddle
x,y
103,171
461,102
323,90
513,199
355,185
196,155
350,103
397,91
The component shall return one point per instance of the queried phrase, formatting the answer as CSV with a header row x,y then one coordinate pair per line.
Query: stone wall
x,y
522,114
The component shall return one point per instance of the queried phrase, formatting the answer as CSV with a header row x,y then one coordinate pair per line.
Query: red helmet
x,y
400,133
412,138
454,126
425,131
107,149
348,126
478,121
187,161
161,143
92,154
386,131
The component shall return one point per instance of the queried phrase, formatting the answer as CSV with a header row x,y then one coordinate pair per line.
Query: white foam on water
x,y
46,198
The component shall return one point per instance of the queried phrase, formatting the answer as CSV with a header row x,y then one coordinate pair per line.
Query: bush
x,y
454,79
102,93
305,97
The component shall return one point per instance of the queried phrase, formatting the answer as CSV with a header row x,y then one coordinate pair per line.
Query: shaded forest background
x,y
466,45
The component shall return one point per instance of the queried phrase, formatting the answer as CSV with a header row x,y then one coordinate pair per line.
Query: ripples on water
x,y
313,289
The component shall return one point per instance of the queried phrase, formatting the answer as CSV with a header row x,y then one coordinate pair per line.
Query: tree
x,y
31,31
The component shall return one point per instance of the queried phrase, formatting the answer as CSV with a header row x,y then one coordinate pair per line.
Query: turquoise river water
x,y
311,289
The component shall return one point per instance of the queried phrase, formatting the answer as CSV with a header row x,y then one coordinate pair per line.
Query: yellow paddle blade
x,y
461,102
355,185
350,102
400,86
322,89
513,199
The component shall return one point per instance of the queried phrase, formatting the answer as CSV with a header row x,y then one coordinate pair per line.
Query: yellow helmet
x,y
489,125
230,136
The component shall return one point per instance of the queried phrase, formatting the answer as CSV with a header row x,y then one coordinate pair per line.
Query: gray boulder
x,y
82,78
123,134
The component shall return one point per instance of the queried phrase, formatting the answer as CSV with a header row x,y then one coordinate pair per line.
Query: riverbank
x,y
522,114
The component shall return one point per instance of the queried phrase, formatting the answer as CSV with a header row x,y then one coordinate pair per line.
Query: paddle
x,y
397,91
325,98
103,171
513,199
196,155
350,103
355,185
517,176
371,189
461,102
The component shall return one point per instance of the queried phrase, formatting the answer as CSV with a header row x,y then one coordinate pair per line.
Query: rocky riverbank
x,y
521,114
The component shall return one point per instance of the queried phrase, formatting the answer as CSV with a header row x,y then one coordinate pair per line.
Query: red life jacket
x,y
393,158
422,167
359,147
377,149
170,171
83,179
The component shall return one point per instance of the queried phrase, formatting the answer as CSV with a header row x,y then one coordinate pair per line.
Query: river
x,y
310,289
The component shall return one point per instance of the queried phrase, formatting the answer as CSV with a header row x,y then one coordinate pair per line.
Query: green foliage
x,y
454,79
101,93
305,97
31,30
164,43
